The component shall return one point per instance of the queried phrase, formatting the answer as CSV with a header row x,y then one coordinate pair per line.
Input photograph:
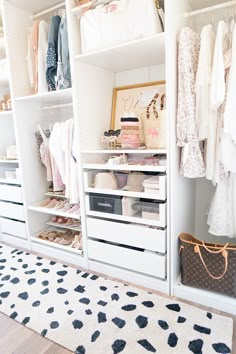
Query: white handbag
x,y
118,22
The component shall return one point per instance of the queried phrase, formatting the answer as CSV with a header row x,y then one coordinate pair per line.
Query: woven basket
x,y
154,124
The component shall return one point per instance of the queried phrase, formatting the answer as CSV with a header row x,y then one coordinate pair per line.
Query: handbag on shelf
x,y
117,22
206,265
154,123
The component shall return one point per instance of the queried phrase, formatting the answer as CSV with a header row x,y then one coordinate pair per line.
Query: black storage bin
x,y
106,203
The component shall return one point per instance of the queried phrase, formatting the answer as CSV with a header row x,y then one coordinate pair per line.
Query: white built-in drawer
x,y
12,227
148,263
12,211
128,234
11,193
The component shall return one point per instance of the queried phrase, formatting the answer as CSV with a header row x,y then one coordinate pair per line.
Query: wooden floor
x,y
17,339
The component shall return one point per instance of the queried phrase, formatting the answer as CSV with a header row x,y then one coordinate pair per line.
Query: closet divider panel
x,y
94,88
28,116
181,215
7,133
190,198
16,22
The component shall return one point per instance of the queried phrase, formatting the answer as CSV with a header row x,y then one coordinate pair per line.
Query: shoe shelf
x,y
63,226
56,245
55,195
36,207
127,56
123,151
142,168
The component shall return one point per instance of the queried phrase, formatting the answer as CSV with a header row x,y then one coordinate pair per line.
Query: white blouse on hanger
x,y
228,145
217,97
203,82
230,109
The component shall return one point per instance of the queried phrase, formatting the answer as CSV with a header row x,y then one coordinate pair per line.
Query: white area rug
x,y
90,314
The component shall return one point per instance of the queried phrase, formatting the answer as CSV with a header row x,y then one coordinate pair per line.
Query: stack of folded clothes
x,y
152,185
130,132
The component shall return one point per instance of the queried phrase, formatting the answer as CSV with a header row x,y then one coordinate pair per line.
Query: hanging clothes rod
x,y
53,8
64,105
211,8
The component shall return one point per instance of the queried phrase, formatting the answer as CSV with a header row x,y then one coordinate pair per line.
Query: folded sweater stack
x,y
152,185
130,133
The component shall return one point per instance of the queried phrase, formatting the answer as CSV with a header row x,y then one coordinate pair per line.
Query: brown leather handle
x,y
197,249
211,251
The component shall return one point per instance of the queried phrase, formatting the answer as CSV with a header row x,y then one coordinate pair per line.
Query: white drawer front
x,y
127,234
12,227
147,263
12,211
11,193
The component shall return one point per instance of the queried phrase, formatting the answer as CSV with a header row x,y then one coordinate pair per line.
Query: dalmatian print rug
x,y
93,315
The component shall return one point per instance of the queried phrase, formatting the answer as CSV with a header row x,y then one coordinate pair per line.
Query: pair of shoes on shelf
x,y
61,205
65,238
48,235
6,103
51,189
65,221
77,243
72,209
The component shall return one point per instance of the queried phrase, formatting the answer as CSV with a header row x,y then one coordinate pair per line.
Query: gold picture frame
x,y
126,98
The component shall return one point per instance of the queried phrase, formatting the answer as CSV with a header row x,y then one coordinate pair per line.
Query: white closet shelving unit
x,y
29,111
121,246
12,210
116,245
190,199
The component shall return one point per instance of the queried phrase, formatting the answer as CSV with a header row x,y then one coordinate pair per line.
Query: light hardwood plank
x,y
5,324
56,349
35,344
13,337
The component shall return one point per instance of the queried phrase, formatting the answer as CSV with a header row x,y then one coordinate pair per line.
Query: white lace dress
x,y
221,218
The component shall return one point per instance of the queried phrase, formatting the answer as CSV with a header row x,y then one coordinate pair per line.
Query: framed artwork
x,y
135,99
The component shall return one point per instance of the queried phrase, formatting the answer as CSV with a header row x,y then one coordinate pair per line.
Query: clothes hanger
x,y
62,13
45,139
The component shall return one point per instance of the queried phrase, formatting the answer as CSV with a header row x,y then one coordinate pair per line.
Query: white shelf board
x,y
6,113
9,161
120,151
9,181
49,98
124,167
124,193
134,219
55,195
62,226
57,245
128,56
205,297
35,6
52,211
